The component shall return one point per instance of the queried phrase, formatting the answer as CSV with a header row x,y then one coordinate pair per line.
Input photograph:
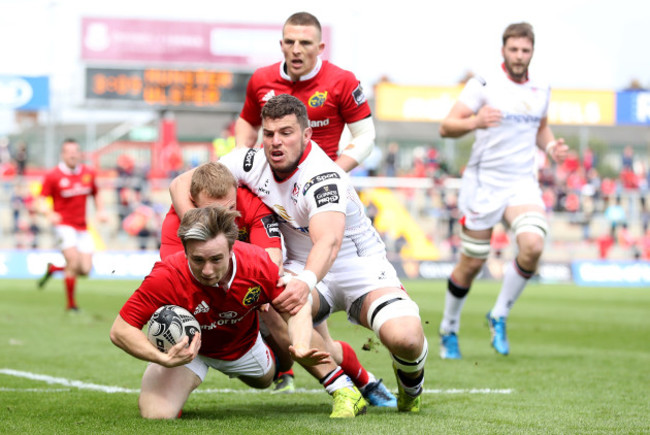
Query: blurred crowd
x,y
574,189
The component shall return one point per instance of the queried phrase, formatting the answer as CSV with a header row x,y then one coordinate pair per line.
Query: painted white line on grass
x,y
35,390
67,382
112,389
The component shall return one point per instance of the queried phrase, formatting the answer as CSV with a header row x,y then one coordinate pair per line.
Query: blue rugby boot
x,y
499,339
449,345
377,394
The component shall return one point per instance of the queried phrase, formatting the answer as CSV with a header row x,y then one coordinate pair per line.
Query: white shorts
x,y
69,237
482,205
351,278
257,362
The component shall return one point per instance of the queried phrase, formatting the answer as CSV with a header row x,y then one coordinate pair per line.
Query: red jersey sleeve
x,y
252,112
353,104
258,224
156,290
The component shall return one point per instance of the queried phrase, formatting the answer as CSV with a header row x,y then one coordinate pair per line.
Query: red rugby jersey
x,y
333,97
69,190
228,317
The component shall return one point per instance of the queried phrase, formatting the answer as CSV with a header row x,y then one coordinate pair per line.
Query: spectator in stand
x,y
627,159
20,157
588,159
616,216
390,161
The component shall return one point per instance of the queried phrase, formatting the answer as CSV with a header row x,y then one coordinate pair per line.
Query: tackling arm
x,y
179,190
326,232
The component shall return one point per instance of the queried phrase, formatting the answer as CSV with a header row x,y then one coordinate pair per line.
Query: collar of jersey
x,y
310,75
503,67
67,171
232,277
302,159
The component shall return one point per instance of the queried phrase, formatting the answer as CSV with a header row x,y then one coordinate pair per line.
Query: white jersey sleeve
x,y
473,94
324,191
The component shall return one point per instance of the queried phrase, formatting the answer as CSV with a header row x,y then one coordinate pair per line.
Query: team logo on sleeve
x,y
271,226
328,194
248,159
319,178
358,95
243,235
317,100
252,295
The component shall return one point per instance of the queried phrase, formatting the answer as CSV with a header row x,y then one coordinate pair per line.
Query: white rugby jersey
x,y
317,185
506,153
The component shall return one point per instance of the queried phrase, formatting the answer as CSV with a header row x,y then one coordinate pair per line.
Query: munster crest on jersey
x,y
318,99
252,295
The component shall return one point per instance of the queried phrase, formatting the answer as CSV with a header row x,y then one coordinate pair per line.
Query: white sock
x,y
514,282
451,316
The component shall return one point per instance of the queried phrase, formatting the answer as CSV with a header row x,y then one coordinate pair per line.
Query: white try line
x,y
112,389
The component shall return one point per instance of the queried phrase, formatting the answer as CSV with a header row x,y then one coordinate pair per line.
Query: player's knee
x,y
389,307
156,411
406,337
412,363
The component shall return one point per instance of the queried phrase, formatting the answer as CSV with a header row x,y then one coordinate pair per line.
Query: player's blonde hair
x,y
519,30
206,223
214,179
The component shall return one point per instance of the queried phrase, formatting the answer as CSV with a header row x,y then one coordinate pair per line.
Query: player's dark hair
x,y
519,30
214,179
303,19
68,140
206,223
283,105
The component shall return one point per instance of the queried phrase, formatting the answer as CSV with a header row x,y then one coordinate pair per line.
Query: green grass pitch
x,y
579,363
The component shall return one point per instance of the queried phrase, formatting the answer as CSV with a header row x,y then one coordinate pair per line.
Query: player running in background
x,y
69,184
215,278
328,238
508,112
333,96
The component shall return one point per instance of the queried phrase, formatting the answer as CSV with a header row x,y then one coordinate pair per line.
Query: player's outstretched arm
x,y
134,342
179,190
300,332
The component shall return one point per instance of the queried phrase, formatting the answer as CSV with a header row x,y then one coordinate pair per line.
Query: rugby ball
x,y
169,325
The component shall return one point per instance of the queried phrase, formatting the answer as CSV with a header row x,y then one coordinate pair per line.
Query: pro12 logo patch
x,y
328,194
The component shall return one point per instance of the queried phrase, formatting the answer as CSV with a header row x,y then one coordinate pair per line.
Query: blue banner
x,y
612,273
106,264
633,107
24,93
